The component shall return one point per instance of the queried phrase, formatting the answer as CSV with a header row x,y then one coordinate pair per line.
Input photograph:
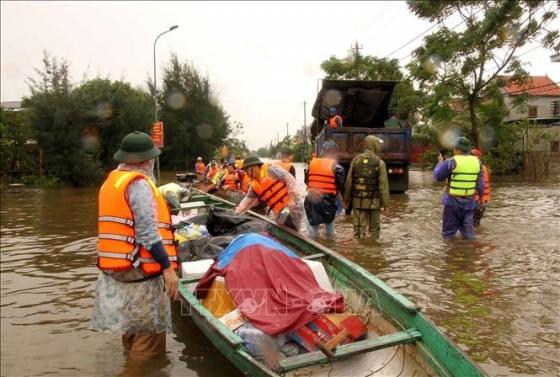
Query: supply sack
x,y
205,248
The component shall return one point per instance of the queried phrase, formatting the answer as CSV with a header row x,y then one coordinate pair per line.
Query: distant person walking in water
x,y
367,189
136,254
481,202
464,176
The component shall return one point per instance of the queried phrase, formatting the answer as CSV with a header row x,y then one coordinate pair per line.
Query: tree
x,y
80,127
14,133
235,145
467,64
195,123
355,66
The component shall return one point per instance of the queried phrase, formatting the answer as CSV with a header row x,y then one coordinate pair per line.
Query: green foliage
x,y
14,133
109,111
40,181
79,128
236,146
195,123
405,100
294,144
467,64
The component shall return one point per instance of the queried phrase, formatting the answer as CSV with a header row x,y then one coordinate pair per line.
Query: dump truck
x,y
364,107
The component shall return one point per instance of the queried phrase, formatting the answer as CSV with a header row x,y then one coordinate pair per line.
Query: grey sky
x,y
263,58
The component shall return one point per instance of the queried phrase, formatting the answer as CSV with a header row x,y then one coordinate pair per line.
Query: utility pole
x,y
356,48
287,130
305,128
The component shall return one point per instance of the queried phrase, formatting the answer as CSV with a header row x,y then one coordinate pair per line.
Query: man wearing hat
x,y
276,188
335,120
136,253
464,175
367,189
200,167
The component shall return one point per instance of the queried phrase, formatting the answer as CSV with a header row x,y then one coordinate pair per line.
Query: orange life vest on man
x,y
321,176
230,181
200,167
273,192
486,178
286,165
332,121
212,172
116,243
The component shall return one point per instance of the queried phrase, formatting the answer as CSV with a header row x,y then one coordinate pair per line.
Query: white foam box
x,y
196,268
233,320
320,274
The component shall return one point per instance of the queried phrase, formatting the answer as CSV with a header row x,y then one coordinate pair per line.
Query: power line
x,y
424,32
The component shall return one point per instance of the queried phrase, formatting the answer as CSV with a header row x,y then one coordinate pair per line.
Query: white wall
x,y
543,107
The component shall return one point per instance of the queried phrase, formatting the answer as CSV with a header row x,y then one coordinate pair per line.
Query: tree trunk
x,y
474,122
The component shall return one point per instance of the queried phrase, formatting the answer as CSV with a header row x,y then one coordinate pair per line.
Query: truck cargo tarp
x,y
274,289
361,103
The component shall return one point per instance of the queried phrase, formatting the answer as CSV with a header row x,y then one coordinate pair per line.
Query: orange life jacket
x,y
486,178
321,176
286,165
273,192
230,181
116,243
245,182
200,167
212,172
332,121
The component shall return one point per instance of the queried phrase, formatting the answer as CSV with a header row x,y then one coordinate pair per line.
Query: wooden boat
x,y
401,340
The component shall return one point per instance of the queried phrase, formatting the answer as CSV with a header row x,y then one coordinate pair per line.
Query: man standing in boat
x,y
274,186
367,189
136,253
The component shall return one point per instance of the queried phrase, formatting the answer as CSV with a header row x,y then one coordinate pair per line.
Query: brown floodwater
x,y
498,298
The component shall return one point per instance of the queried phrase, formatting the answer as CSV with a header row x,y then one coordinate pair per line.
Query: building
x,y
11,105
543,109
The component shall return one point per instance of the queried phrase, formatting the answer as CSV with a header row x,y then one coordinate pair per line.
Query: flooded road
x,y
498,298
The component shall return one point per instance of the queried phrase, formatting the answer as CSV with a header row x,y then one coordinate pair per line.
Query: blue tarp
x,y
249,239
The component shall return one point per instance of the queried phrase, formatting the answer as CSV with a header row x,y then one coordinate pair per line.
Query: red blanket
x,y
275,292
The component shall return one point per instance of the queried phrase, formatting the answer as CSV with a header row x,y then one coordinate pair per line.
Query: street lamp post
x,y
155,91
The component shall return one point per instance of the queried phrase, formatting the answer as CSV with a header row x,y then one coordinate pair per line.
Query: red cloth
x,y
275,292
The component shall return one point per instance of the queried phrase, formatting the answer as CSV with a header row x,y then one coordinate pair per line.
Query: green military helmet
x,y
136,147
463,144
251,161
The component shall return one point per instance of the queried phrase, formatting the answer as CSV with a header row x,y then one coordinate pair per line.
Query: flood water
x,y
498,298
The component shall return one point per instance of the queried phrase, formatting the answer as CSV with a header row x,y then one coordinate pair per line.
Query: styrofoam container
x,y
196,268
320,274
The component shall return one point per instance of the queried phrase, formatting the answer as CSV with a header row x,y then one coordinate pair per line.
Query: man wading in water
x,y
136,254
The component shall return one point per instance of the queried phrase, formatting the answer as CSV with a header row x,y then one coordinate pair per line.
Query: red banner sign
x,y
157,134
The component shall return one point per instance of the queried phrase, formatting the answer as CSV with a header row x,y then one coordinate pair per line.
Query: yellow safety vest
x,y
464,176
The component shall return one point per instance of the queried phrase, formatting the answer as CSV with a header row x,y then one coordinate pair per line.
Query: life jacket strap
x,y
117,237
115,219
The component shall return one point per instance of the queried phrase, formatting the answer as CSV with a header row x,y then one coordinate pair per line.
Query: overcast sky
x,y
263,58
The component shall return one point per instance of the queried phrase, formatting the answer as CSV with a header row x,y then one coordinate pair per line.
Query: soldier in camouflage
x,y
367,189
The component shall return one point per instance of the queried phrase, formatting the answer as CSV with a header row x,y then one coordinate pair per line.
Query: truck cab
x,y
364,107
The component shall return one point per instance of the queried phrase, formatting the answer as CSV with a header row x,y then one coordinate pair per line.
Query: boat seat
x,y
350,349
193,205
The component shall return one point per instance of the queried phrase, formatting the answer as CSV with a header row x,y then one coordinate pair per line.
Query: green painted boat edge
x,y
439,352
225,340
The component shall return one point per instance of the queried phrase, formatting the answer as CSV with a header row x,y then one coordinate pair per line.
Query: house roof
x,y
535,86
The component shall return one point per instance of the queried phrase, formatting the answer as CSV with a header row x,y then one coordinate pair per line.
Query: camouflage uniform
x,y
368,188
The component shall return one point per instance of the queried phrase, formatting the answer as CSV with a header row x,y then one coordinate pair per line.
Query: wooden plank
x,y
193,205
351,349
314,256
